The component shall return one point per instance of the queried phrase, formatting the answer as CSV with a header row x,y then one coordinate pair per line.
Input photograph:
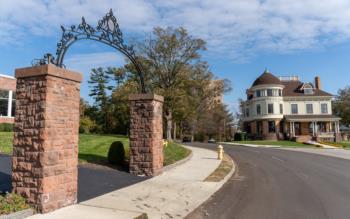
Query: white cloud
x,y
235,28
85,62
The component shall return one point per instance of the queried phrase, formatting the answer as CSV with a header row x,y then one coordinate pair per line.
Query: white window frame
x,y
312,105
256,109
9,109
9,104
281,107
291,109
273,110
327,112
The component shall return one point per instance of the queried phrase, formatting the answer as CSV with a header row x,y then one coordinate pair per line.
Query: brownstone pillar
x,y
146,134
45,150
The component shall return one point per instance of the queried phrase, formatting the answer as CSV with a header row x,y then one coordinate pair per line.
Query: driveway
x,y
93,180
273,183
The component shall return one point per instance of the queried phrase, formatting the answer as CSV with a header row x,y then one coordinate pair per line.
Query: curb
x,y
222,183
177,163
231,173
19,214
251,145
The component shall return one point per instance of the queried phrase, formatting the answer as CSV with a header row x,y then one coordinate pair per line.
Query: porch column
x,y
313,129
293,129
331,127
316,128
337,127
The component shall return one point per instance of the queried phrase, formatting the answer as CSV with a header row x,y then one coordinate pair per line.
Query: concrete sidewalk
x,y
174,194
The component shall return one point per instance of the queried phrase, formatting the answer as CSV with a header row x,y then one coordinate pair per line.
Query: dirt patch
x,y
223,169
142,216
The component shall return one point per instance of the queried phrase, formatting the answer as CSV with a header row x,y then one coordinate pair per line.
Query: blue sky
x,y
291,37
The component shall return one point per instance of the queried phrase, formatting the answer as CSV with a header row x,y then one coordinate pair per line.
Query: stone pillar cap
x,y
146,97
49,69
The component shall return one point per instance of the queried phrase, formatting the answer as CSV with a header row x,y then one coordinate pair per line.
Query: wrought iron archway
x,y
107,32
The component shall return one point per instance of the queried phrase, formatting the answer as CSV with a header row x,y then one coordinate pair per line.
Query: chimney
x,y
318,82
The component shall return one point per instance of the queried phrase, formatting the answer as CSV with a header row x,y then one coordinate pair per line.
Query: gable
x,y
296,88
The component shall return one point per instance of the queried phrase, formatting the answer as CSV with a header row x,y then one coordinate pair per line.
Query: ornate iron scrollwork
x,y
107,32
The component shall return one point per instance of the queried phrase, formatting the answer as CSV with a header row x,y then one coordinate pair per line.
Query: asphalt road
x,y
93,180
273,183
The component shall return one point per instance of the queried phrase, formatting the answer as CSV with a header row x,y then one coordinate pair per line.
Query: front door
x,y
297,127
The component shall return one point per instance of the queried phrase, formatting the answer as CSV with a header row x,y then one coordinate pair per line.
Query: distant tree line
x,y
173,67
341,105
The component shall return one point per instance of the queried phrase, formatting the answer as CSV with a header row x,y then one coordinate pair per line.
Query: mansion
x,y
287,108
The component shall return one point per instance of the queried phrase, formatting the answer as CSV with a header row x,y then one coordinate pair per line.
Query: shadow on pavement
x,y
5,173
93,180
98,181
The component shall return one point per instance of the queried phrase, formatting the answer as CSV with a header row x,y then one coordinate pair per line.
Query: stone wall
x,y
45,153
146,134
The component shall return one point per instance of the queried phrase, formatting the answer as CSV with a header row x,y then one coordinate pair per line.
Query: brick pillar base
x,y
45,153
146,134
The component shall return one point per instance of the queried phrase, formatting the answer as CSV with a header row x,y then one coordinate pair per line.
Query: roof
x,y
7,76
266,78
292,89
311,118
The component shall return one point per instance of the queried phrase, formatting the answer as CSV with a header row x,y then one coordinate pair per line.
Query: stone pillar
x,y
45,150
146,134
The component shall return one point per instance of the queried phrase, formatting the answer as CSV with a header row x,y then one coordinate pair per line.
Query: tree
x,y
173,68
120,104
167,54
100,84
341,105
215,122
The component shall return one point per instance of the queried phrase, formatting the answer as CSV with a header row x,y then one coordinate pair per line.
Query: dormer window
x,y
308,89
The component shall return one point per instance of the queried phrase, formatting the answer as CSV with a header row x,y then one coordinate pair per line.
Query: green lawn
x,y
277,143
346,144
94,148
6,139
174,152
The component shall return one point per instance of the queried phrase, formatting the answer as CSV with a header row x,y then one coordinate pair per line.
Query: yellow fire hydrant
x,y
165,143
220,152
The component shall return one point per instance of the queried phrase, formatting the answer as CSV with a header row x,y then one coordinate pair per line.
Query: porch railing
x,y
325,134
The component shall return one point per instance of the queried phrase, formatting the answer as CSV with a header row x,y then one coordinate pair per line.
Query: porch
x,y
312,127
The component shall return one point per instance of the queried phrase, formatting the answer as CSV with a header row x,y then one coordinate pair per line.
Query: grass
x,y
346,144
94,148
174,152
275,143
221,172
11,203
6,139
